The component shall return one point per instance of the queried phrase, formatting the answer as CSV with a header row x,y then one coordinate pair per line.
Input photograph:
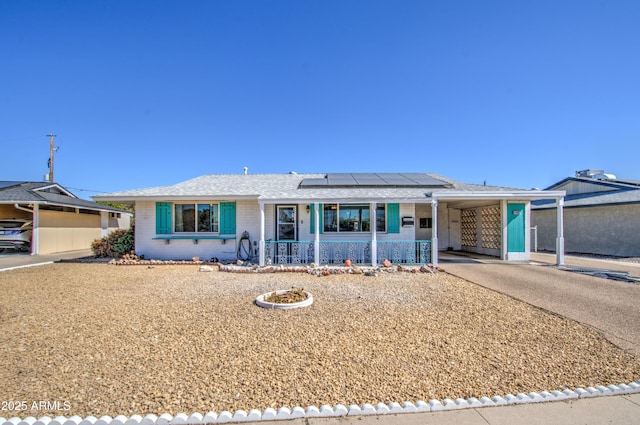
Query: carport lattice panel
x,y
491,228
469,228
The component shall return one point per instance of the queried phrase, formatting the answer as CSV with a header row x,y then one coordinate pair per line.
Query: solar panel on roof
x,y
341,179
363,180
4,184
368,179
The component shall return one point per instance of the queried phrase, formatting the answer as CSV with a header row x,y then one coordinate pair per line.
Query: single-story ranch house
x,y
601,215
329,218
61,221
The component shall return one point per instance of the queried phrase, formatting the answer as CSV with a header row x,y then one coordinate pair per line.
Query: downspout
x,y
18,207
35,217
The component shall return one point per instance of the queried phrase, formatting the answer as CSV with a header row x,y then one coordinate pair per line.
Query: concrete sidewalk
x,y
590,411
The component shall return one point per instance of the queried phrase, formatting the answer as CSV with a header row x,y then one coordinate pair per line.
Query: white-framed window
x,y
352,218
203,218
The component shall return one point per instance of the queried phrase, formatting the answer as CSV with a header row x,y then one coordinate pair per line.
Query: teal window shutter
x,y
313,218
227,218
393,218
163,218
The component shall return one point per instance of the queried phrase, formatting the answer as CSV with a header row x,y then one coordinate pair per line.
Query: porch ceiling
x,y
466,204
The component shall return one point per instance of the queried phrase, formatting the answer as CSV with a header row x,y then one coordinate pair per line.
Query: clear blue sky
x,y
148,93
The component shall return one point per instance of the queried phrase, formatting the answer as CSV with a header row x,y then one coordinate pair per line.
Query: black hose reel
x,y
244,247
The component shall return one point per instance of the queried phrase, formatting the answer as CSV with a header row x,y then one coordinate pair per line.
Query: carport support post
x,y
261,260
434,233
35,235
560,232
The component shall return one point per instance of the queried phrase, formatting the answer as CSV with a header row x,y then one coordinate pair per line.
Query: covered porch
x,y
496,224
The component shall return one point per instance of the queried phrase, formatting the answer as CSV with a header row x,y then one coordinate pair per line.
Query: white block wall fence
x,y
284,413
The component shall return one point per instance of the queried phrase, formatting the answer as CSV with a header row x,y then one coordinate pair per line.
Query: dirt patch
x,y
107,340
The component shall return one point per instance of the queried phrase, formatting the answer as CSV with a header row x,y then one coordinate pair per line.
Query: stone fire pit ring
x,y
260,301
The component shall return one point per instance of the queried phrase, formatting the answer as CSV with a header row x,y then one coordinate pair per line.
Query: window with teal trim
x,y
352,218
196,218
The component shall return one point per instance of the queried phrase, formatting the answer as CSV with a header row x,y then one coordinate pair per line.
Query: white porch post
x,y
104,223
434,232
560,232
374,235
261,260
316,234
504,254
35,236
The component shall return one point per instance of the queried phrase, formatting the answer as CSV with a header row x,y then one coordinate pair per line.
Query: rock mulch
x,y
106,340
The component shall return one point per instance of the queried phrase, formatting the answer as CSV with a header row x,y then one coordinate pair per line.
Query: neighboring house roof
x,y
589,192
45,193
292,187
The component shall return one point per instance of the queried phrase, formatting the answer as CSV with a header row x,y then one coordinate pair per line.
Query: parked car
x,y
15,233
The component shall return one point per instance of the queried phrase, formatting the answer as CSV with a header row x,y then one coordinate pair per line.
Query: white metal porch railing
x,y
336,252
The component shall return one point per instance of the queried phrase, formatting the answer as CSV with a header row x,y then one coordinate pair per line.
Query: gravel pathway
x,y
106,340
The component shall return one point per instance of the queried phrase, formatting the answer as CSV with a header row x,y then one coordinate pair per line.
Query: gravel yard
x,y
101,339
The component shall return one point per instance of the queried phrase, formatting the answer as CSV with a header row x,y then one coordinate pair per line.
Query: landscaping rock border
x,y
245,267
285,413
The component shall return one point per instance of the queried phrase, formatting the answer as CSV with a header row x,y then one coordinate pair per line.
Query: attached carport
x,y
494,222
61,221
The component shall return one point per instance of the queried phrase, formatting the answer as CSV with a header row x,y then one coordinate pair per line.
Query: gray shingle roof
x,y
33,193
617,192
618,197
273,187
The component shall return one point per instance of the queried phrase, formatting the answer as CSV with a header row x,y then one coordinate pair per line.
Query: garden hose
x,y
244,247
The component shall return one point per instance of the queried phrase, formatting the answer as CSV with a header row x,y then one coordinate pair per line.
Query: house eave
x,y
512,195
132,200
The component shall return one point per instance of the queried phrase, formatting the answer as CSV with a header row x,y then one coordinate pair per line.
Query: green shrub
x,y
115,244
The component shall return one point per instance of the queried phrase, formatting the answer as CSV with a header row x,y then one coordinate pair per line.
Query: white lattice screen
x,y
469,228
491,228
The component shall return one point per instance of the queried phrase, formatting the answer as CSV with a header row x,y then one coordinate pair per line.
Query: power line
x,y
20,139
85,190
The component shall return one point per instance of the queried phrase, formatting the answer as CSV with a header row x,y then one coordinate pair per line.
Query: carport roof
x,y
45,193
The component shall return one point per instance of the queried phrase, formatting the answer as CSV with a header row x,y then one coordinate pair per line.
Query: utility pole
x,y
52,150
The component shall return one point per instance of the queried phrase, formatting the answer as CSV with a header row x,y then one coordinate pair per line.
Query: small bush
x,y
115,244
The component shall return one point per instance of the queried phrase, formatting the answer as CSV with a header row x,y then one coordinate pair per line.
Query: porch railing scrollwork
x,y
336,252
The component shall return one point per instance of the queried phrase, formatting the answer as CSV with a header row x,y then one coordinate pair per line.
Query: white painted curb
x,y
25,266
284,413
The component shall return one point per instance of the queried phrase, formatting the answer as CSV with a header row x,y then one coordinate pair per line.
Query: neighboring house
x,y
327,218
601,215
61,221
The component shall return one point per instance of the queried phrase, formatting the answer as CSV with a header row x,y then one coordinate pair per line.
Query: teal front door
x,y
515,228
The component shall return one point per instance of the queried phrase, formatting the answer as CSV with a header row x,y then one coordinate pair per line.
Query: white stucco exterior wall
x,y
247,218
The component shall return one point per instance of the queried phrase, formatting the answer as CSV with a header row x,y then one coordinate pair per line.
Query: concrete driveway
x,y
11,260
609,306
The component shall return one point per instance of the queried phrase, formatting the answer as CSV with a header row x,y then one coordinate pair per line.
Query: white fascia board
x,y
424,200
56,185
80,207
525,195
175,198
